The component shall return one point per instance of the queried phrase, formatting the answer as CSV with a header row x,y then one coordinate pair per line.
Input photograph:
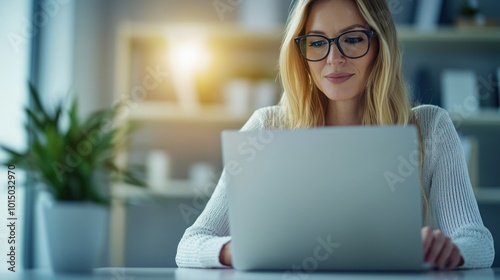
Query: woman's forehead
x,y
334,16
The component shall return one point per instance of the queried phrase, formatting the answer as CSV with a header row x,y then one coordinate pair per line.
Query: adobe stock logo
x,y
250,148
49,9
321,253
406,167
223,6
121,274
395,6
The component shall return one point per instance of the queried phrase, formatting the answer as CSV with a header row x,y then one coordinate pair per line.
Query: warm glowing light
x,y
189,55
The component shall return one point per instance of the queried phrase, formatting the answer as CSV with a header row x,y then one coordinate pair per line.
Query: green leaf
x,y
67,160
129,178
32,116
59,110
14,157
74,125
36,100
55,144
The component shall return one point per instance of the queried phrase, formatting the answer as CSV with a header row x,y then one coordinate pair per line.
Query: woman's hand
x,y
225,254
439,250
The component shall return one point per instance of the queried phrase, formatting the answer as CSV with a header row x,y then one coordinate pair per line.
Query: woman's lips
x,y
338,78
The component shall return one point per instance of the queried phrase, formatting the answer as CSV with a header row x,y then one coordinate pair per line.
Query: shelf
x,y
450,39
406,33
225,33
172,189
218,113
481,118
487,194
442,34
171,112
234,53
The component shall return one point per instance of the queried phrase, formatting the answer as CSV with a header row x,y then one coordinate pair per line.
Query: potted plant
x,y
73,160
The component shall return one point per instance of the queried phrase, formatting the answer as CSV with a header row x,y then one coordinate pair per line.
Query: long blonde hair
x,y
385,100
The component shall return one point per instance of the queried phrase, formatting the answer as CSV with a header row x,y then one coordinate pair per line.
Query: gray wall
x,y
154,229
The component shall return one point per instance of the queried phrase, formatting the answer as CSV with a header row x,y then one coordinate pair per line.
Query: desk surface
x,y
230,274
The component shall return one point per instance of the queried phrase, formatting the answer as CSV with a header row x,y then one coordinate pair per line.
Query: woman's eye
x,y
317,44
353,40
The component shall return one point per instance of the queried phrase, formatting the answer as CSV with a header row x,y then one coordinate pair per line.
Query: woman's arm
x,y
452,197
202,244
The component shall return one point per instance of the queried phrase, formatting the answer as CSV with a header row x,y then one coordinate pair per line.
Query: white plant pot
x,y
75,232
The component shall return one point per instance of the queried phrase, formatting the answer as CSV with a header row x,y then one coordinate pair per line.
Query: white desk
x,y
230,274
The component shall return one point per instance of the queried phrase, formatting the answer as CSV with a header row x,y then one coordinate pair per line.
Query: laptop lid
x,y
343,198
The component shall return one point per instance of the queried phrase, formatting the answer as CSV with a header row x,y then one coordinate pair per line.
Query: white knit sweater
x,y
446,181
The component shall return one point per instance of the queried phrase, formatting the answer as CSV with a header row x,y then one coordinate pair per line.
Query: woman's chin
x,y
340,96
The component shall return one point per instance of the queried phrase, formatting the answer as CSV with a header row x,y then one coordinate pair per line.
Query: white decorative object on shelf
x,y
427,16
158,169
201,174
237,96
264,93
459,92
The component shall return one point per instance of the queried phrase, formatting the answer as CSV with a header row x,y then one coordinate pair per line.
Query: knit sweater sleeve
x,y
202,242
451,195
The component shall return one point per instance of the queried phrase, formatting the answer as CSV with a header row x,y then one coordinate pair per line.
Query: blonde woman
x,y
340,65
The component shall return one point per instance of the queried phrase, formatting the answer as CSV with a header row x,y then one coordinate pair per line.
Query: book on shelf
x,y
459,92
427,14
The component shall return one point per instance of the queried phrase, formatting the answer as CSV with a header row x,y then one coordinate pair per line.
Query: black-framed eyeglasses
x,y
352,44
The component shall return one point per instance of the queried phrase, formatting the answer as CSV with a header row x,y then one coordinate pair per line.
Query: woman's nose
x,y
335,56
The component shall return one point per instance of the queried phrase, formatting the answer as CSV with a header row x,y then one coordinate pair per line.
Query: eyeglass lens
x,y
352,44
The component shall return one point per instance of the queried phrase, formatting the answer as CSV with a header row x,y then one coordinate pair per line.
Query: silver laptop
x,y
343,198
